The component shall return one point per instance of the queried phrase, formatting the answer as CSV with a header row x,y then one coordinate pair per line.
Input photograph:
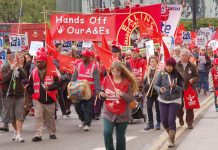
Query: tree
x,y
9,11
31,12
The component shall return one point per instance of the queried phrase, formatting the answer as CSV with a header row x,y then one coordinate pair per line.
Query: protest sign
x,y
170,16
15,43
213,44
87,44
1,44
67,45
201,41
207,32
186,37
150,48
126,48
78,27
34,46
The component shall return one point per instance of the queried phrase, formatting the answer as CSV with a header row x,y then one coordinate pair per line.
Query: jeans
x,y
168,115
203,80
150,102
84,110
120,134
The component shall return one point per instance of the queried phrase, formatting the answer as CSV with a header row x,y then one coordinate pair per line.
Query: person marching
x,y
118,90
152,95
86,70
116,50
137,64
13,74
169,85
214,72
189,73
43,90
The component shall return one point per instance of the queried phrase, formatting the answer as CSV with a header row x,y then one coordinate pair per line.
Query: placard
x,y
150,48
15,43
34,46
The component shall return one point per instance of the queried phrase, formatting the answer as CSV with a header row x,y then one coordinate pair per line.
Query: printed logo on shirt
x,y
111,95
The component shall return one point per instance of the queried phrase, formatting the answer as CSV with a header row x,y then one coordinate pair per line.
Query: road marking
x,y
129,138
99,148
162,142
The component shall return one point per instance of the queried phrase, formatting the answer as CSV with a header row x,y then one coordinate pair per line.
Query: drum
x,y
79,90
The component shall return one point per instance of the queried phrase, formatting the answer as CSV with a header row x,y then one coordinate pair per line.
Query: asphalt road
x,y
70,137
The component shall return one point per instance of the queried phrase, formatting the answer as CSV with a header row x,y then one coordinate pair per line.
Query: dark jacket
x,y
190,72
16,86
153,92
163,81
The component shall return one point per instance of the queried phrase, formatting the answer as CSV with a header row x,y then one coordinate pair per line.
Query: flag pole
x,y
45,18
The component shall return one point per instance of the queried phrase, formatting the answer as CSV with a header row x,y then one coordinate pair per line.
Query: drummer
x,y
86,70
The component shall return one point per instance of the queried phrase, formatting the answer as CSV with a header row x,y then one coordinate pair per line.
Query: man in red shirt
x,y
137,64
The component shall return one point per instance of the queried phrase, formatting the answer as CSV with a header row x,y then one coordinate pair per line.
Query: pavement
x,y
204,136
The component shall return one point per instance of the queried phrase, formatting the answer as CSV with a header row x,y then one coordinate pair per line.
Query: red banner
x,y
127,23
82,27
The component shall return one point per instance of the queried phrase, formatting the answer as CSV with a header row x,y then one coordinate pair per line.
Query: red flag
x,y
166,51
67,64
105,55
179,30
51,49
215,37
147,31
51,68
105,44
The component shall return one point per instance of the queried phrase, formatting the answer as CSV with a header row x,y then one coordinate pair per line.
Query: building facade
x,y
205,8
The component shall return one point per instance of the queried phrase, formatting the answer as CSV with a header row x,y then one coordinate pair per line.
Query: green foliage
x,y
200,23
9,10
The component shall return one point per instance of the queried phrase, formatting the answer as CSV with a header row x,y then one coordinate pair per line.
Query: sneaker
x,y
97,117
37,139
68,112
14,136
190,127
81,125
19,139
181,122
86,128
149,127
52,136
157,127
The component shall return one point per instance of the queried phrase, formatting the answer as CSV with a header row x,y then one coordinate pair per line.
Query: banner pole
x,y
21,6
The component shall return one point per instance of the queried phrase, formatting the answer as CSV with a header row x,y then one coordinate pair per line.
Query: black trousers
x,y
150,101
84,110
61,101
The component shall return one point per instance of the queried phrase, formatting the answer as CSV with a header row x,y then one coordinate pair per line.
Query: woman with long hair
x,y
152,94
118,90
169,85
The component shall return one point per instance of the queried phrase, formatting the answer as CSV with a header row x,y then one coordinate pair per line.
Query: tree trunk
x,y
117,3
